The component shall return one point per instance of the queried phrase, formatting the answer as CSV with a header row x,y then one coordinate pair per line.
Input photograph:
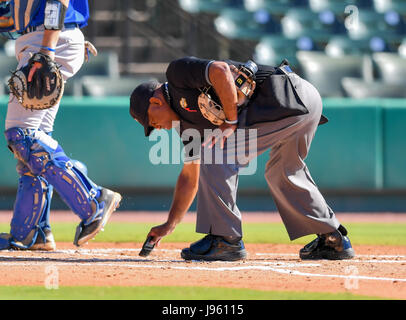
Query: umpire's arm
x,y
223,83
184,194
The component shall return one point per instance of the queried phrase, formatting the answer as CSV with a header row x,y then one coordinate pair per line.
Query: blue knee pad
x,y
19,142
48,160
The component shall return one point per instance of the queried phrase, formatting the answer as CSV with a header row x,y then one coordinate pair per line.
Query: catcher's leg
x,y
45,158
30,226
30,223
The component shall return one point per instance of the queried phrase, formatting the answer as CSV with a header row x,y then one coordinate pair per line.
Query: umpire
x,y
283,109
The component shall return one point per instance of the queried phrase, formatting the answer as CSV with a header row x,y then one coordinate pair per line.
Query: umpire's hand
x,y
158,232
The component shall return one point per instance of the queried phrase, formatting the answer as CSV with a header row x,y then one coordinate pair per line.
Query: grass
x,y
164,293
360,233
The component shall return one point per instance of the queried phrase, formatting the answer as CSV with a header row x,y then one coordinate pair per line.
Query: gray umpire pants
x,y
300,204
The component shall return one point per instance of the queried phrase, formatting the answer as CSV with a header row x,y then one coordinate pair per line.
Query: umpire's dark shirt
x,y
188,76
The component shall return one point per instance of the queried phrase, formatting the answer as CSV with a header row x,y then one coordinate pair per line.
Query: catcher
x,y
49,49
283,109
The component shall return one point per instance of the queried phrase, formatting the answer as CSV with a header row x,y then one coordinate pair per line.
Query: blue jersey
x,y
30,13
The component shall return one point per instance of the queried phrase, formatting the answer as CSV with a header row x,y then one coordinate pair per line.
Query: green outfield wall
x,y
362,148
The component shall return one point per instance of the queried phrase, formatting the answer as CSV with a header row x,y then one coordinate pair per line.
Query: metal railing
x,y
149,32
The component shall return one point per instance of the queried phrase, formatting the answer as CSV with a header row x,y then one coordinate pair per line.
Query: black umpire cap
x,y
139,104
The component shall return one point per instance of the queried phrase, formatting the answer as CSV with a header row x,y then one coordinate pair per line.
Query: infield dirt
x,y
378,271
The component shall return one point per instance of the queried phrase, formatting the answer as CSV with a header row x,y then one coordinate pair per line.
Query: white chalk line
x,y
358,255
119,261
106,253
257,262
218,269
95,252
108,250
277,266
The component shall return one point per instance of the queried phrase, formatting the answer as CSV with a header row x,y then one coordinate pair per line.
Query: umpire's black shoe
x,y
212,248
332,246
86,231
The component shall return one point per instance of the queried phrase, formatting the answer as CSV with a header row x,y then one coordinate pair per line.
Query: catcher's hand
x,y
39,84
89,49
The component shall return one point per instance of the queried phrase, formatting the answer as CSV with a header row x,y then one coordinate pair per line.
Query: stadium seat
x,y
388,5
359,89
241,24
209,6
106,87
325,72
402,48
342,45
391,67
272,50
337,6
105,64
367,24
276,7
303,22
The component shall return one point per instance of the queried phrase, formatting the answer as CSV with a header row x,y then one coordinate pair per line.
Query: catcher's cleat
x,y
89,228
332,246
7,242
5,239
47,244
212,248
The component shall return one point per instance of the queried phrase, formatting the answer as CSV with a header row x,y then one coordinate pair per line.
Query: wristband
x,y
48,48
231,121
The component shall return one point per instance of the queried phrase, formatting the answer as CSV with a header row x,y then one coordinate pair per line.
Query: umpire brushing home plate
x,y
283,110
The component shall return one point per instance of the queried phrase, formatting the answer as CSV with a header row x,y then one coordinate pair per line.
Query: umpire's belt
x,y
70,25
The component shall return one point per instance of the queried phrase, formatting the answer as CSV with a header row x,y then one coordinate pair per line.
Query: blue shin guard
x,y
74,187
31,211
23,170
48,160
